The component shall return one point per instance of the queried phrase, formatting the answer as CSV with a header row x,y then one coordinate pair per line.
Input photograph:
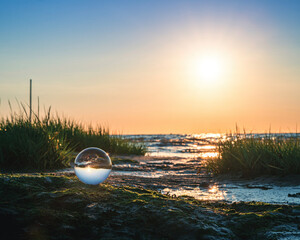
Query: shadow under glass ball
x,y
92,166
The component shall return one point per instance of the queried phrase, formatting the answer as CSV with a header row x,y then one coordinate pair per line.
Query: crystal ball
x,y
92,166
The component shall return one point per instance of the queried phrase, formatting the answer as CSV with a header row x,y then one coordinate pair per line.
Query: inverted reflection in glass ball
x,y
92,166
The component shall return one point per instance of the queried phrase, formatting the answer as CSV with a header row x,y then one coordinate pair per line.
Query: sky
x,y
147,67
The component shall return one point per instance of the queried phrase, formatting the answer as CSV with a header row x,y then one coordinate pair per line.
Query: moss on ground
x,y
51,206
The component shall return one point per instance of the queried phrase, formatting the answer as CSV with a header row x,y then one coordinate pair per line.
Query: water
x,y
172,166
179,145
190,145
237,192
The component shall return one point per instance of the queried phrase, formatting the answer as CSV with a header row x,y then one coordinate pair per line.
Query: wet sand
x,y
177,176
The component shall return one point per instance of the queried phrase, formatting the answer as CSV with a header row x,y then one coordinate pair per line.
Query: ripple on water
x,y
235,193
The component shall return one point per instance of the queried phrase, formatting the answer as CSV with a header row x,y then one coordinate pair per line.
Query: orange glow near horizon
x,y
201,74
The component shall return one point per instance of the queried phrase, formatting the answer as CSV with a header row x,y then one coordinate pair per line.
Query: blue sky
x,y
75,49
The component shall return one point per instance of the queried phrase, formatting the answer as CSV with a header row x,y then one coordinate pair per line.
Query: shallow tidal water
x,y
173,166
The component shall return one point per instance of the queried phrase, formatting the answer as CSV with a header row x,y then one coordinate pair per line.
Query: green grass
x,y
80,137
253,156
50,142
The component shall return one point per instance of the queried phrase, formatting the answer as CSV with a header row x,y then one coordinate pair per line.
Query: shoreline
x,y
177,176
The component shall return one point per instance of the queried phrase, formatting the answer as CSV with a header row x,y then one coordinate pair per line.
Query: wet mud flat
x,y
59,206
186,176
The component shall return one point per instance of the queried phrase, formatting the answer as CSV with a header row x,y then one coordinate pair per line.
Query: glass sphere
x,y
92,166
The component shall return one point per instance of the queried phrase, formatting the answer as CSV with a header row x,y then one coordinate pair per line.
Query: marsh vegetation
x,y
50,142
251,155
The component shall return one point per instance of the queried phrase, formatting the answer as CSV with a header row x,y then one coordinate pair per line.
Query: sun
x,y
209,68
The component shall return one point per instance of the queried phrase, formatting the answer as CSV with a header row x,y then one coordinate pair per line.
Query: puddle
x,y
156,174
235,193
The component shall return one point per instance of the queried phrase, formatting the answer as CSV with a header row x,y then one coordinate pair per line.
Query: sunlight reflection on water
x,y
234,193
176,154
212,193
183,146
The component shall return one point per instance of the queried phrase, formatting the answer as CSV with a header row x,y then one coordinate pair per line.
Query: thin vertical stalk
x,y
38,108
30,100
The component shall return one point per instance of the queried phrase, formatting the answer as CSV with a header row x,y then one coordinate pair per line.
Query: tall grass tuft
x,y
27,146
253,156
50,142
80,137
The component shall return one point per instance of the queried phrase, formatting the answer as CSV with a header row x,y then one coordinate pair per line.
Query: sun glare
x,y
209,68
